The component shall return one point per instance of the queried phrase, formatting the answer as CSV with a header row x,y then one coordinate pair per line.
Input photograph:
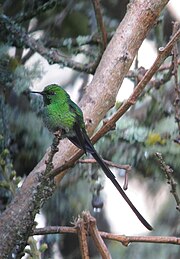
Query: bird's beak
x,y
34,92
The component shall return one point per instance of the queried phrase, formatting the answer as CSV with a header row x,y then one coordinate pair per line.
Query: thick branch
x,y
22,210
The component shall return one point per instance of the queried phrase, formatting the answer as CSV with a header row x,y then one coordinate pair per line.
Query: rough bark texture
x,y
18,219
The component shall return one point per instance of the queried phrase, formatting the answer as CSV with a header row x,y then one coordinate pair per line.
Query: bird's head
x,y
52,93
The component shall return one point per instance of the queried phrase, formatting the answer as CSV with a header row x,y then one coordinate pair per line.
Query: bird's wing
x,y
78,139
78,128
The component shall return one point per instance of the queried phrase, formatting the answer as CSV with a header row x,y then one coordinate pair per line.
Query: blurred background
x,y
152,125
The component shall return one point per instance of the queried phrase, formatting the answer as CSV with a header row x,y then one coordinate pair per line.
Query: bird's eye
x,y
52,93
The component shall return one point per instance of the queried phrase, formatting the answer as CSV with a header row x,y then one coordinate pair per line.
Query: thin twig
x,y
176,79
175,54
54,230
93,230
81,230
100,24
22,17
53,151
170,180
126,177
167,66
127,168
125,240
110,163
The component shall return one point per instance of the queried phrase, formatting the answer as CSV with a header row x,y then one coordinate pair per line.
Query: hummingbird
x,y
60,113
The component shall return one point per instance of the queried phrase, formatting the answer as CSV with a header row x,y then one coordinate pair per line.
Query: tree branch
x,y
100,24
176,81
40,9
110,163
125,240
170,180
28,201
20,38
90,229
81,231
93,231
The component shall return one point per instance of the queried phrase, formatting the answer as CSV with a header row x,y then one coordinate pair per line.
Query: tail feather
x,y
111,176
82,141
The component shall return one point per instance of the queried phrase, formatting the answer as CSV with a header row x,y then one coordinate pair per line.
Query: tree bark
x,y
18,219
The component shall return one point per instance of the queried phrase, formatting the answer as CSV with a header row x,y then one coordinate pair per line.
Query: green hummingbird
x,y
60,113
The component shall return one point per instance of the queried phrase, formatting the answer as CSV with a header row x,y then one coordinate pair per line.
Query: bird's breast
x,y
55,119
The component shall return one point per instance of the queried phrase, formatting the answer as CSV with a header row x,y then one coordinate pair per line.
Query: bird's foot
x,y
58,133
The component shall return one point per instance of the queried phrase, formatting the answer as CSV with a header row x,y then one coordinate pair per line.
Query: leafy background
x,y
149,127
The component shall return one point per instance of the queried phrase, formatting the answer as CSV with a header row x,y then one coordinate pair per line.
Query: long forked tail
x,y
111,176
